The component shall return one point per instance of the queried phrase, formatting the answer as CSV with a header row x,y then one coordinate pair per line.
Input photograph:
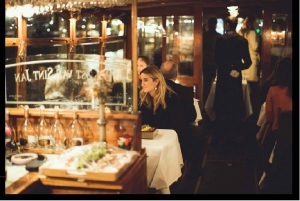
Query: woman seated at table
x,y
279,96
158,103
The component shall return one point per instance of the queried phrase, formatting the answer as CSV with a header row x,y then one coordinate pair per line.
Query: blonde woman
x,y
159,104
248,32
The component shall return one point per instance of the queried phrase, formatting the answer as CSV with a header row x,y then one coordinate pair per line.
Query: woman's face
x,y
140,66
148,84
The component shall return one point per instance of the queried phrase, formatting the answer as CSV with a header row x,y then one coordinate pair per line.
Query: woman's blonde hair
x,y
146,99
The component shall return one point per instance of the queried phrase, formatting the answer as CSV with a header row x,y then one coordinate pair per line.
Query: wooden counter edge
x,y
25,183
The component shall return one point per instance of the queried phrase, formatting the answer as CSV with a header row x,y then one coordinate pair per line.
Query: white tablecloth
x,y
164,161
211,97
199,116
262,115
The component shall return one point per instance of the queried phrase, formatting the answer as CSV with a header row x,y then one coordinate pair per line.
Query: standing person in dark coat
x,y
209,64
232,56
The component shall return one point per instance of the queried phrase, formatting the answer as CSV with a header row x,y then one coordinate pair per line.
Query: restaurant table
x,y
211,97
164,160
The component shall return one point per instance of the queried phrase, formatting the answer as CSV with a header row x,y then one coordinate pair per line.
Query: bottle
x,y
9,135
57,132
88,135
43,131
27,139
75,131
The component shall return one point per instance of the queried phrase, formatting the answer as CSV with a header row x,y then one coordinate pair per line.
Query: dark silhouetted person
x,y
157,57
209,64
188,140
232,56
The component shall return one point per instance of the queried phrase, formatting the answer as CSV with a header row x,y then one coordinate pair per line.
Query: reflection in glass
x,y
115,28
11,27
88,48
47,26
278,38
11,52
180,38
149,35
87,27
65,80
114,49
47,49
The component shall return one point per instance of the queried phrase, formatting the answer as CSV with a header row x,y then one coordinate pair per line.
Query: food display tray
x,y
50,170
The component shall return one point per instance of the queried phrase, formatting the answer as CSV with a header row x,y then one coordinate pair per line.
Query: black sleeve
x,y
245,55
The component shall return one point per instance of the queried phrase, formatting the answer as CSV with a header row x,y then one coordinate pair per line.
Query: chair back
x,y
280,176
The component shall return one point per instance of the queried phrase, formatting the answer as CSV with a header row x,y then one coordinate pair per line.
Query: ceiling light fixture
x,y
233,10
30,7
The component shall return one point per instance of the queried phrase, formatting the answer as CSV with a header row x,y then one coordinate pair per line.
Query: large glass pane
x,y
114,49
65,80
150,33
47,26
88,48
278,37
115,28
180,47
11,52
47,49
11,27
87,27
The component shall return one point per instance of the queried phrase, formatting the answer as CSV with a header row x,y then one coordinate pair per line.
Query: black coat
x,y
231,49
209,43
169,118
186,95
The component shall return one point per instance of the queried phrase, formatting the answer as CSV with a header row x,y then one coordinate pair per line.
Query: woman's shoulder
x,y
276,89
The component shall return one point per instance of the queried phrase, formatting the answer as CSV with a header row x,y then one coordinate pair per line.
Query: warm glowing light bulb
x,y
10,12
27,10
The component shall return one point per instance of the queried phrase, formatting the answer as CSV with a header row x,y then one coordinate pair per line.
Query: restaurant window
x,y
278,38
150,33
115,28
87,27
88,48
114,49
11,52
47,49
11,27
180,39
47,26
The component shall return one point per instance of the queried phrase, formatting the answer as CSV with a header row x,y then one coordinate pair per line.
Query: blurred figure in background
x,y
248,32
209,64
279,96
252,74
232,56
142,62
287,61
191,132
157,56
